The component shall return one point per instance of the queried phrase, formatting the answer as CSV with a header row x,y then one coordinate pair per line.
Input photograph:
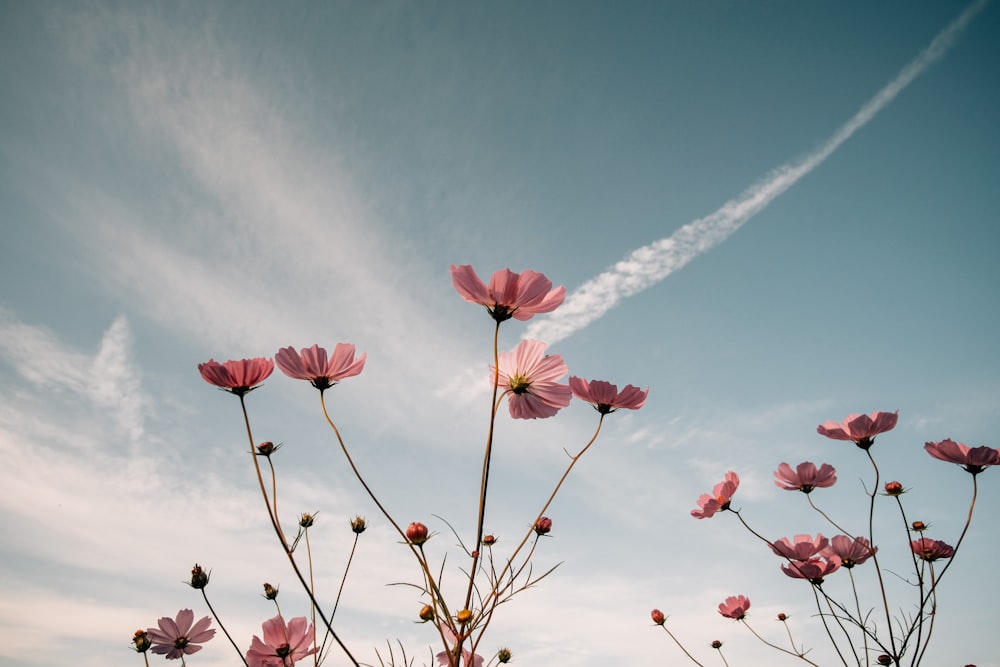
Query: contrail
x,y
652,263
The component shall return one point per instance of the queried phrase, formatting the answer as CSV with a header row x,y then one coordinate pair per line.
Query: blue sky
x,y
180,181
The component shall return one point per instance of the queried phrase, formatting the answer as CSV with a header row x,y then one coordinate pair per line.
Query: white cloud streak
x,y
648,265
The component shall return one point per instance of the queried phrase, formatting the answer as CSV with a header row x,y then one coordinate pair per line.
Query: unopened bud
x,y
199,578
716,644
464,616
543,525
141,641
307,520
919,526
489,540
884,659
267,448
416,533
657,616
426,613
782,617
358,524
503,655
893,488
270,592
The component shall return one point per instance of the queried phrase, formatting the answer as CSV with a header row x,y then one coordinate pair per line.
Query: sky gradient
x,y
181,181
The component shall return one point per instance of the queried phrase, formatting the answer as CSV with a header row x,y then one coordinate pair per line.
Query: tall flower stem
x,y
878,568
775,646
284,542
224,631
680,646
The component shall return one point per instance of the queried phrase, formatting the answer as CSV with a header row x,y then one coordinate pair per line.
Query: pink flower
x,y
802,548
721,496
175,638
312,364
930,550
973,459
469,659
813,569
805,477
735,607
860,429
605,396
283,645
509,294
850,552
240,376
529,376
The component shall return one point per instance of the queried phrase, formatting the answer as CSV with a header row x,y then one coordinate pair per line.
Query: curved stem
x,y
681,646
775,646
875,563
224,631
825,516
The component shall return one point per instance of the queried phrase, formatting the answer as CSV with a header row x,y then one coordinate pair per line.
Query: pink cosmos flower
x,y
283,645
813,569
930,550
722,495
312,364
529,376
182,636
805,477
469,659
973,459
735,607
605,396
851,552
802,548
860,429
238,377
509,294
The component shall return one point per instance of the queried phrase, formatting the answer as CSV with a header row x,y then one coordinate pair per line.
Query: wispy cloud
x,y
651,263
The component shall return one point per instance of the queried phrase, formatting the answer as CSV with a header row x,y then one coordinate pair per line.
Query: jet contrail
x,y
652,263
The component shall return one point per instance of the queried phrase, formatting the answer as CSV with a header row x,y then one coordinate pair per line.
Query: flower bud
x,y
464,616
489,540
884,659
657,616
416,533
919,526
717,644
267,448
543,525
307,520
782,617
270,592
199,578
426,613
893,489
503,655
358,524
141,641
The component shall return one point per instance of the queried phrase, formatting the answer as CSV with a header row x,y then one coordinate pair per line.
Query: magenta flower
x,y
509,294
813,569
851,552
469,659
860,429
973,459
529,376
805,477
312,364
803,547
605,396
182,636
283,645
735,607
238,377
931,550
722,495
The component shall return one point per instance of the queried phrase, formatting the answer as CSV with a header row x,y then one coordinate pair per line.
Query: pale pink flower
x,y
605,396
509,294
283,645
805,477
529,376
803,547
851,552
312,364
469,659
930,550
813,569
175,638
722,495
735,607
973,459
239,376
860,429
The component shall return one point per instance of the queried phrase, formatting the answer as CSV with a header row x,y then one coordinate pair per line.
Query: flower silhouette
x,y
973,459
239,376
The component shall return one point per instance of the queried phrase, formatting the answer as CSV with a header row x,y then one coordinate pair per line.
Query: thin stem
x,y
857,605
878,568
775,646
933,614
826,626
218,621
312,587
825,516
681,646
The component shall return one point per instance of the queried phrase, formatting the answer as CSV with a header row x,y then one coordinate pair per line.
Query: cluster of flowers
x,y
813,559
529,380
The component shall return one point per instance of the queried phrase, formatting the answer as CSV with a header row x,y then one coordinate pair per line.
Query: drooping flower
x,y
312,364
530,378
237,376
802,548
931,550
851,552
283,645
509,294
805,477
735,607
973,459
469,659
175,638
860,429
722,495
813,569
605,396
